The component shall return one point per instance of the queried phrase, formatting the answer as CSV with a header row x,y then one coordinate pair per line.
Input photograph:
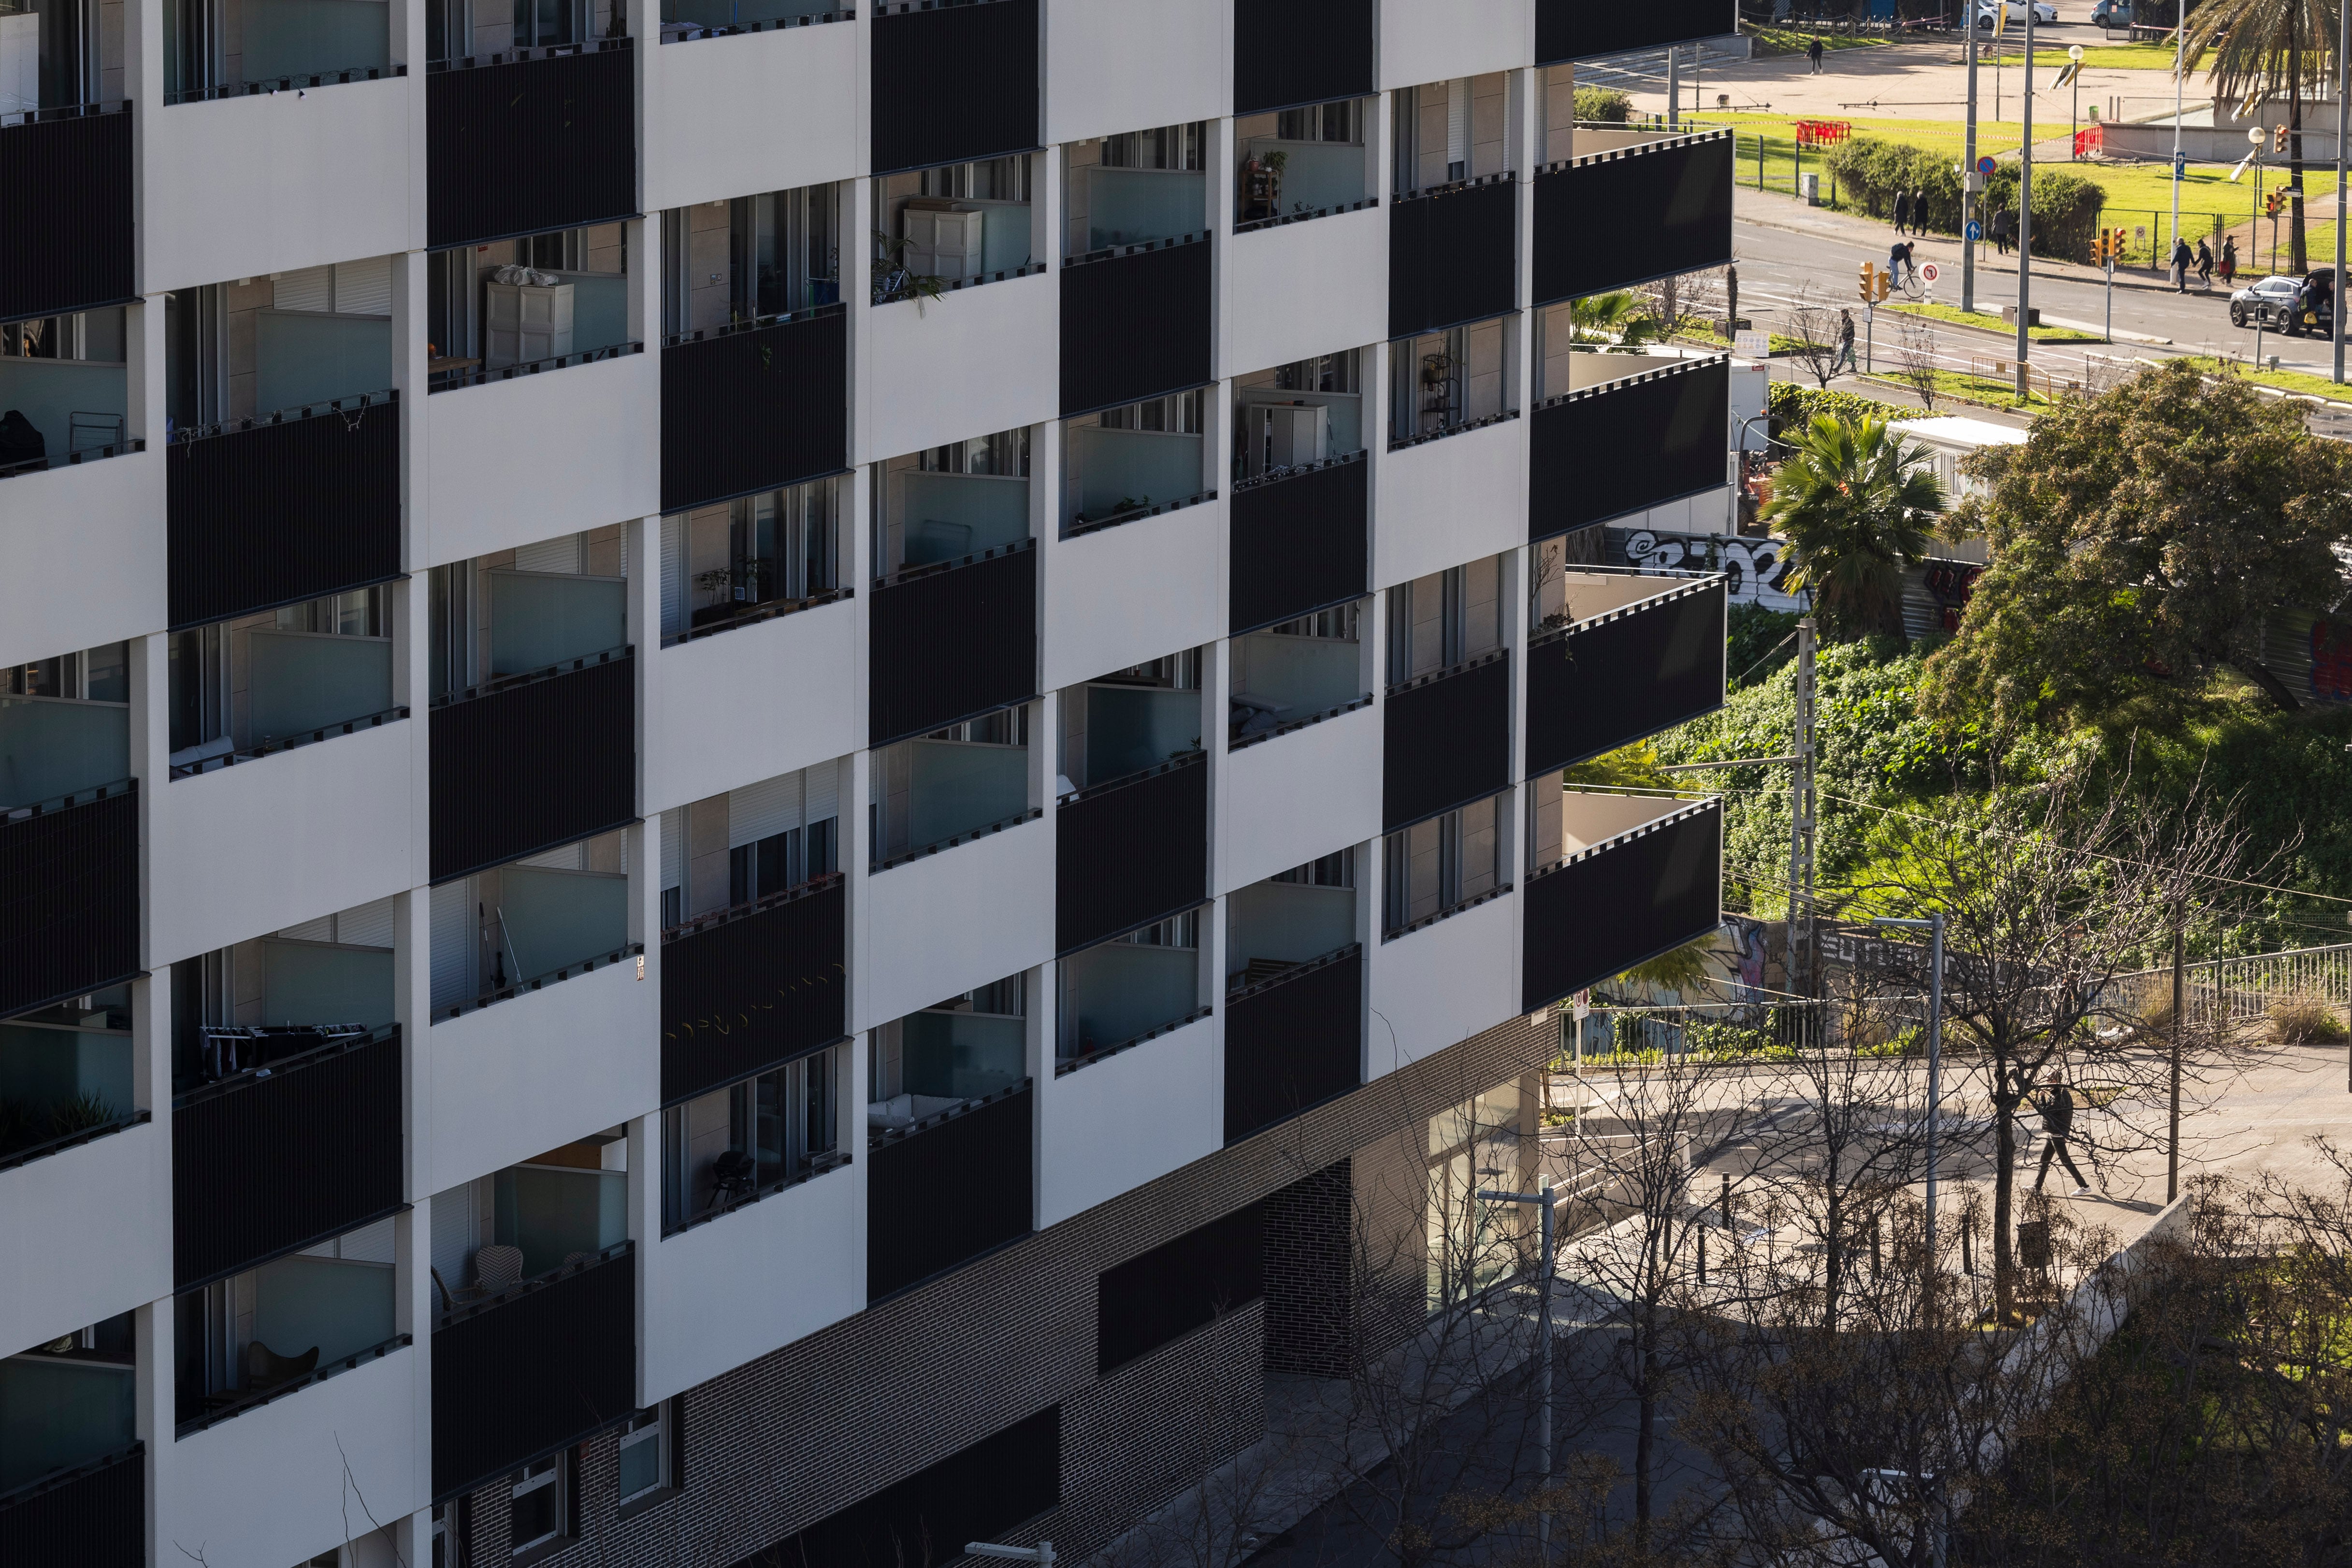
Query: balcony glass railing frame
x,y
85,212
752,614
690,32
278,745
113,1489
1560,227
299,81
476,376
1292,726
1278,220
230,1408
118,798
681,1085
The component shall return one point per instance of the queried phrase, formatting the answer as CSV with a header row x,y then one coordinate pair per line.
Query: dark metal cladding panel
x,y
1446,744
1628,448
1453,257
534,1373
96,1520
1292,52
1602,915
66,243
947,1194
960,82
1131,856
1135,326
311,1151
1599,688
1299,543
281,512
742,995
68,900
983,1493
743,411
529,146
1146,1302
534,766
1581,29
949,644
1295,1044
1670,209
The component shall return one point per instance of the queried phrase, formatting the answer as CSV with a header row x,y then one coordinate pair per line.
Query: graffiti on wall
x,y
1755,567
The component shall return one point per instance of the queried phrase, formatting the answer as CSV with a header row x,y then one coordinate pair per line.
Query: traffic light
x,y
1885,284
2102,246
2278,138
2270,205
2115,245
1870,282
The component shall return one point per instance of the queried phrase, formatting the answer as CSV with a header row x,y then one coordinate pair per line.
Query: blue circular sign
x,y
1976,230
1986,166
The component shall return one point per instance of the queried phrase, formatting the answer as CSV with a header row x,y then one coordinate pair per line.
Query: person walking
x,y
2183,260
1814,53
1846,344
1919,211
2057,1108
1902,210
2000,222
2204,267
2228,260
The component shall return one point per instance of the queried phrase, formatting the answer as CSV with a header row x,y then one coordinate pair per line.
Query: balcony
x,y
272,511
1117,995
531,140
524,926
1627,878
68,895
1134,322
961,78
1446,740
66,1076
1293,52
72,1488
93,1515
1626,656
749,986
72,167
1573,30
1674,414
953,640
293,1148
533,1369
531,761
1293,1040
1131,852
1299,541
1296,674
1453,255
1669,198
755,407
950,1186
79,408
1123,465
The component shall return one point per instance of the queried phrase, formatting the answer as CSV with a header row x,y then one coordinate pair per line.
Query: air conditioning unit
x,y
945,239
1289,436
522,322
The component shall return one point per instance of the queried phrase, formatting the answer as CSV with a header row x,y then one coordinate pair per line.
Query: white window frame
x,y
648,1426
556,1476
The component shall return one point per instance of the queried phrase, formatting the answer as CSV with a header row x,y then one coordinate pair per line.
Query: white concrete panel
x,y
1442,984
271,1486
747,705
105,1206
518,1078
1459,498
960,918
1114,65
271,843
1437,40
739,116
83,547
509,462
1308,793
1140,591
969,363
1296,290
1095,1143
778,1271
243,187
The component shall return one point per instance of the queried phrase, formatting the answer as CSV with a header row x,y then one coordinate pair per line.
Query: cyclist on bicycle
x,y
1899,263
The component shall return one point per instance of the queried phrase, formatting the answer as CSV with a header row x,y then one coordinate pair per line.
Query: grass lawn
x,y
1782,40
1959,318
2285,381
2105,56
1961,387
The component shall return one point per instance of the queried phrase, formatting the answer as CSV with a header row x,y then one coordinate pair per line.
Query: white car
x,y
2045,13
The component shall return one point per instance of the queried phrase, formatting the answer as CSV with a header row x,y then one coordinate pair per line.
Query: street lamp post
x,y
1971,182
2343,126
1934,926
1545,1197
2025,220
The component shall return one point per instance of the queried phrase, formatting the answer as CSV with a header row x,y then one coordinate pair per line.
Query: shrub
x,y
1789,405
82,1114
2308,1021
1869,172
1604,104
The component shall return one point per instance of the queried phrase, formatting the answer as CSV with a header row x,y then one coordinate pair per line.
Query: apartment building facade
x,y
757,767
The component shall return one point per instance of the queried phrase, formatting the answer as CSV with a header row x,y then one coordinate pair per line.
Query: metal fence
x,y
2223,991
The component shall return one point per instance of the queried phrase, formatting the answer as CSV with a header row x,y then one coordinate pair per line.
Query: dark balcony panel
x,y
1135,326
1453,256
1175,1288
532,1371
1622,901
1294,1042
91,1517
951,1192
983,1493
1446,741
1581,29
66,244
960,79
277,511
744,412
1299,542
949,644
745,991
1135,852
1666,205
1613,450
548,762
68,898
543,140
1292,52
268,1162
1598,684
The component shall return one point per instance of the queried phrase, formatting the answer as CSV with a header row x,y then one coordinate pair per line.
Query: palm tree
x,y
1853,501
1621,315
2261,47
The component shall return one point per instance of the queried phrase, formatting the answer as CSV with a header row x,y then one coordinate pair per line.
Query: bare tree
x,y
1915,359
1686,302
1814,334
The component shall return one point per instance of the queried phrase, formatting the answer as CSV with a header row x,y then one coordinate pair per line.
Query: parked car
x,y
2111,14
2045,13
2287,304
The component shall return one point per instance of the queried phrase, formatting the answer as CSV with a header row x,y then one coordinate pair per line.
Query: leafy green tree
x,y
2139,541
1854,502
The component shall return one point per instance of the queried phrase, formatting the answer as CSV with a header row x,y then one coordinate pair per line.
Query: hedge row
x,y
1869,172
1603,105
1789,405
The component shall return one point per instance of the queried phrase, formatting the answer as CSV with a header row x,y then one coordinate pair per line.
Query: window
x,y
1437,866
538,1510
739,1143
780,860
1438,622
960,1050
447,1550
647,1448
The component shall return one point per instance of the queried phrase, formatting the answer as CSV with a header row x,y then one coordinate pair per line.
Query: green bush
x,y
1869,173
1790,404
1603,104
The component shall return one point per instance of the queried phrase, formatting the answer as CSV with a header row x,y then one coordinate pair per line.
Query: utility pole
x,y
1801,823
1543,1197
2179,45
2172,1140
2025,216
1673,85
1971,182
2343,128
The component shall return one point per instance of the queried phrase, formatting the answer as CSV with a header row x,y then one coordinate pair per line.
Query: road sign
x,y
1976,229
1928,271
2139,230
1986,166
